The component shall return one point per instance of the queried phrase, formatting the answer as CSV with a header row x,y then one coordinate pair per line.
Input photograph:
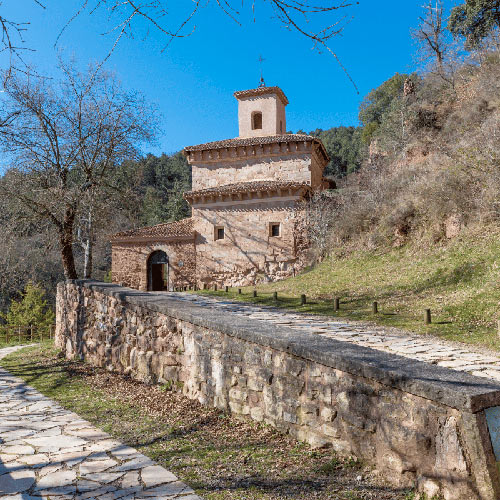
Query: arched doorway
x,y
158,271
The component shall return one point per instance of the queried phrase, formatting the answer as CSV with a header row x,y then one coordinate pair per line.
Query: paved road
x,y
427,349
49,452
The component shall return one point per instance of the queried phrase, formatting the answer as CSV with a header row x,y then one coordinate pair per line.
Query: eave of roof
x,y
169,231
150,239
247,187
261,91
255,141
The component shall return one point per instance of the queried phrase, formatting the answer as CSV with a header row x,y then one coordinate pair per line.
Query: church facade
x,y
247,201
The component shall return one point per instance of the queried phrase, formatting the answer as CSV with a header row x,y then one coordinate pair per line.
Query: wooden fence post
x,y
427,317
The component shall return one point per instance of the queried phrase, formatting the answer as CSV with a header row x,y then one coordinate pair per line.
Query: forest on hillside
x,y
422,164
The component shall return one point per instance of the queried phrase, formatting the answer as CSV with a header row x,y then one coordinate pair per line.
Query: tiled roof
x,y
262,91
252,141
246,187
182,228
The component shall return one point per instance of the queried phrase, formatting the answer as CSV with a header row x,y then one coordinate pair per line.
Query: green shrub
x,y
31,310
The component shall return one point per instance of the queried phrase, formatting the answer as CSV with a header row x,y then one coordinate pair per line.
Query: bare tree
x,y
321,211
438,52
431,34
63,139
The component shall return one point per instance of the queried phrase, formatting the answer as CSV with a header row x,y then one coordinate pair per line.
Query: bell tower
x,y
261,112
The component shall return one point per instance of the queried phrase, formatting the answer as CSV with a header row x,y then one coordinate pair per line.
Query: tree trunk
x,y
87,264
66,245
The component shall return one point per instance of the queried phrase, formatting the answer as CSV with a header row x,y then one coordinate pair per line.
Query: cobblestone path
x,y
49,452
427,349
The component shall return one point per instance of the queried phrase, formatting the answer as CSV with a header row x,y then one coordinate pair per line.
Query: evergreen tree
x,y
475,20
343,145
31,310
379,102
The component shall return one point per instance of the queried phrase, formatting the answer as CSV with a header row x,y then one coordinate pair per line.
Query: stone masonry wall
x,y
129,263
248,254
416,423
232,169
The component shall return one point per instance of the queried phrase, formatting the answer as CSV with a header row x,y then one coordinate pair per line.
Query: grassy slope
x,y
459,283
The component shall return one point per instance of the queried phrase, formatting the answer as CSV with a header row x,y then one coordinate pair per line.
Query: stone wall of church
x,y
129,263
317,169
288,168
248,254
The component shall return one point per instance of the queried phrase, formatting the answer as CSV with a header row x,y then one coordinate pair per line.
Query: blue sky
x,y
192,82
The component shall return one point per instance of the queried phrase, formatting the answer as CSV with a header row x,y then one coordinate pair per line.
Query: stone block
x,y
238,395
257,413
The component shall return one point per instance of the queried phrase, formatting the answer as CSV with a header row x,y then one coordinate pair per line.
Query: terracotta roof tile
x,y
246,187
262,91
181,228
252,141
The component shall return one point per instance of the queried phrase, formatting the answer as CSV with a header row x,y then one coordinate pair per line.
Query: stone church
x,y
247,202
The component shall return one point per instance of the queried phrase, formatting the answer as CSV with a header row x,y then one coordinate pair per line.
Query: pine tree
x,y
31,310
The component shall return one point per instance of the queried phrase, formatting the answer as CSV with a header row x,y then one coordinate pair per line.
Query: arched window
x,y
256,120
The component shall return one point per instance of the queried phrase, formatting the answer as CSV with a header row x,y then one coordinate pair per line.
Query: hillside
x,y
458,281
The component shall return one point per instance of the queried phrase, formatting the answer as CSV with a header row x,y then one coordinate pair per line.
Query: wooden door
x,y
157,277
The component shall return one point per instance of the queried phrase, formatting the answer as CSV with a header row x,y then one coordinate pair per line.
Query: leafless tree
x,y
431,33
321,212
63,139
437,49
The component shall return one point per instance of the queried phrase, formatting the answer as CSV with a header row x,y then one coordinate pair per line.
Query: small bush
x,y
31,310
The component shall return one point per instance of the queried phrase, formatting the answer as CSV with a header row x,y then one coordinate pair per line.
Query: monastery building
x,y
248,219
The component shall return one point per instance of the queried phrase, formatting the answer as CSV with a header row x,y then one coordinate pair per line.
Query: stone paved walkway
x,y
47,452
427,349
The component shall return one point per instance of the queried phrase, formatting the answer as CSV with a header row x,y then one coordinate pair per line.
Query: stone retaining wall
x,y
416,423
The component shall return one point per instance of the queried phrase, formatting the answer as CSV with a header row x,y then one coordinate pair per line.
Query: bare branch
x,y
292,14
12,39
63,137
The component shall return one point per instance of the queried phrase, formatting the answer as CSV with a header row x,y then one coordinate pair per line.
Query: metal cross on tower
x,y
262,82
